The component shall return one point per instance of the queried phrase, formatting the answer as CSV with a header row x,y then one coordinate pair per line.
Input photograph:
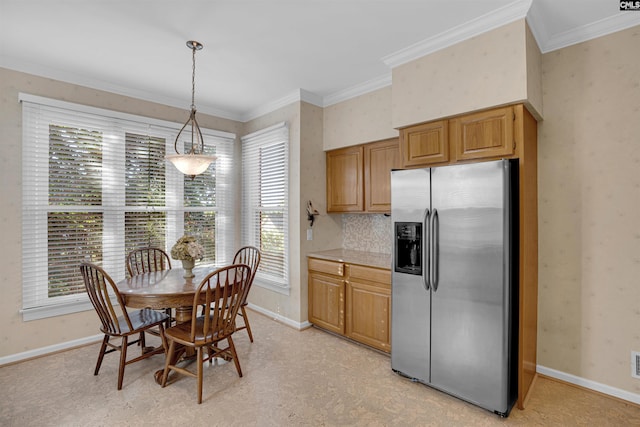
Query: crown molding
x,y
81,80
357,90
497,18
295,96
603,27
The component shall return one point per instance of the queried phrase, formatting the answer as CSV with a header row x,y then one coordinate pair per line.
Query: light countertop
x,y
369,259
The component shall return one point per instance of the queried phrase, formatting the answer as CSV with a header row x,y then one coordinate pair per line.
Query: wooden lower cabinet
x,y
356,304
368,318
326,302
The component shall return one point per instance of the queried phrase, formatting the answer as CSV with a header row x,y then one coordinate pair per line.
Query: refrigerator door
x,y
410,300
470,293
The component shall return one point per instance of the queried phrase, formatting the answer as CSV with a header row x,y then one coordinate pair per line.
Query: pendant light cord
x,y
193,78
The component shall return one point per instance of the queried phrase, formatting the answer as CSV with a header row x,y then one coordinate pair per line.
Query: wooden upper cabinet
x,y
379,158
484,134
345,190
424,144
359,177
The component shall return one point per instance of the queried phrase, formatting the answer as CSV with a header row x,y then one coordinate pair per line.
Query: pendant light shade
x,y
191,164
195,161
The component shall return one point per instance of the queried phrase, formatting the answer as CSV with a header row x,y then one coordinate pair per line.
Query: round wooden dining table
x,y
164,289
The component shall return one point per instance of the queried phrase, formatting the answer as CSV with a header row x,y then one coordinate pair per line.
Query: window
x,y
265,186
96,186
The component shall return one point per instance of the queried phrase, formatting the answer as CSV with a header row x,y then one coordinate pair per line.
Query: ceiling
x,y
262,54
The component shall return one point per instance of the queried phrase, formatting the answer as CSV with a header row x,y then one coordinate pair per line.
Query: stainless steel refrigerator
x,y
454,280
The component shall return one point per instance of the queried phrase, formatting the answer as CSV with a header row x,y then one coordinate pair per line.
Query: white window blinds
x,y
96,186
265,187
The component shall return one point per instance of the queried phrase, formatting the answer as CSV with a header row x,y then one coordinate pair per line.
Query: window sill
x,y
272,285
44,312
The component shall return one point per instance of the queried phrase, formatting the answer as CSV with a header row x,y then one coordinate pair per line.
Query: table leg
x,y
183,315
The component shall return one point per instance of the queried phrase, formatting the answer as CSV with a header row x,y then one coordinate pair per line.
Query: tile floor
x,y
291,378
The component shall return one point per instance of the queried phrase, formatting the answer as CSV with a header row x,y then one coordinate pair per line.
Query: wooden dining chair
x,y
250,256
117,321
222,291
147,260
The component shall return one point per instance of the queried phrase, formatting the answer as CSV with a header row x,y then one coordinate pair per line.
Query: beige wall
x,y
327,229
589,199
487,70
306,182
359,120
17,336
534,99
287,306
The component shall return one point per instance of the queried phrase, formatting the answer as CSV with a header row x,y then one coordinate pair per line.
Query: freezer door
x,y
410,300
470,293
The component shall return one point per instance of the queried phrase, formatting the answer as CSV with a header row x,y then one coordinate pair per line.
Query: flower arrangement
x,y
187,248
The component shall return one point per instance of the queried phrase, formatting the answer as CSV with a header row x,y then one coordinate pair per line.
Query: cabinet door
x,y
368,310
425,144
484,134
379,159
326,302
344,180
369,306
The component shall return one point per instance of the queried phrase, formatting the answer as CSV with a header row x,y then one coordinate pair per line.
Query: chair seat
x,y
141,319
182,333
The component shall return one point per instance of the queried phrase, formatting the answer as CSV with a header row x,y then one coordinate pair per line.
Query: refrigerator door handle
x,y
425,249
435,243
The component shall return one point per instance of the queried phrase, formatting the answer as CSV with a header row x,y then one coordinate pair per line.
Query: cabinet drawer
x,y
370,274
324,266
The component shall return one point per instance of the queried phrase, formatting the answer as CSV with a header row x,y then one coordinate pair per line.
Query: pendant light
x,y
195,161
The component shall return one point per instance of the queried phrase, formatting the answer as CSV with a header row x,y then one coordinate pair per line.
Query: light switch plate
x,y
309,234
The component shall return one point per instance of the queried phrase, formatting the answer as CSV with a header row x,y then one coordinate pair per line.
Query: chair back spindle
x,y
222,291
250,256
146,260
102,292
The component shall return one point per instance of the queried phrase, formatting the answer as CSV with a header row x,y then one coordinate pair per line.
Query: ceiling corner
x,y
497,18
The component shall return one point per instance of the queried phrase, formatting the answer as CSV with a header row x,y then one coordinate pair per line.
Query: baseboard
x,y
279,318
43,351
592,385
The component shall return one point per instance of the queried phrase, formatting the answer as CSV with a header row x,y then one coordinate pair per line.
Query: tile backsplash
x,y
370,232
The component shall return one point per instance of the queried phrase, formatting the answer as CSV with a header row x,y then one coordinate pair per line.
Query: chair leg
x,y
246,322
163,339
103,348
232,349
167,362
123,361
169,320
200,362
142,343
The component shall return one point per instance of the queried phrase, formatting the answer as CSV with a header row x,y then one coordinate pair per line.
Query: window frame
x,y
40,111
276,134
